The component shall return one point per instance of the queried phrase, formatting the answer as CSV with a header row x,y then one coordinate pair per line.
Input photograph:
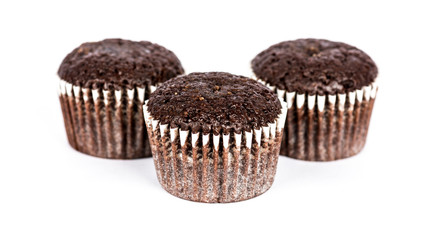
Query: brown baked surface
x,y
118,63
315,66
214,100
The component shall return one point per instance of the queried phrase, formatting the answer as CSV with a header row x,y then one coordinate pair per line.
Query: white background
x,y
50,191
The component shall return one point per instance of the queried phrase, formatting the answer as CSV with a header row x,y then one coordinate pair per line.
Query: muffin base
x,y
212,202
105,123
215,168
326,128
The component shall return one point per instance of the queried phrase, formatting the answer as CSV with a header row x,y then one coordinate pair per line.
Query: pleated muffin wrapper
x,y
215,168
326,127
105,123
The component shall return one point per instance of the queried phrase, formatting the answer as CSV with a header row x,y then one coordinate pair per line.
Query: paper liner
x,y
326,128
105,123
215,168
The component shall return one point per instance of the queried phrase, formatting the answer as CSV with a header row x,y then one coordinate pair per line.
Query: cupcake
x,y
215,137
102,88
330,90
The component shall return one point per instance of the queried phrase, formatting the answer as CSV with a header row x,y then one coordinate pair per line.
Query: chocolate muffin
x,y
215,137
102,88
330,90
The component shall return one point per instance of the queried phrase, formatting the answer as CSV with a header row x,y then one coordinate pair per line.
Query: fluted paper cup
x,y
105,123
326,127
215,168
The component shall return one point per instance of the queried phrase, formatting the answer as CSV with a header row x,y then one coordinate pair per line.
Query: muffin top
x,y
214,101
315,66
118,63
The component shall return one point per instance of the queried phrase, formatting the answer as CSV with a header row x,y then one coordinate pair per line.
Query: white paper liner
x,y
215,168
105,123
325,128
